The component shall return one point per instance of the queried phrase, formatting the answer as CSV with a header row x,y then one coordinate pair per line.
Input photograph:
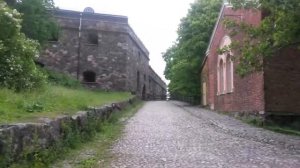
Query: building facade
x,y
102,51
273,91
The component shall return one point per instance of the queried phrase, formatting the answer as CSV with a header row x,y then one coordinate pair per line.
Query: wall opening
x,y
144,97
92,38
40,64
89,76
139,56
137,81
221,80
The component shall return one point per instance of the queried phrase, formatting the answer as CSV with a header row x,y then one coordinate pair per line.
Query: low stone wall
x,y
19,140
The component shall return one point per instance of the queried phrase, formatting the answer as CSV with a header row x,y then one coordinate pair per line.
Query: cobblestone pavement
x,y
172,134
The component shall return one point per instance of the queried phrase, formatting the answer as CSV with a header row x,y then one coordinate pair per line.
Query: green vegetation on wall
x,y
184,58
280,28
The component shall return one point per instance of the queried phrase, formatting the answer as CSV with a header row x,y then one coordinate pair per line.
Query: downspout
x,y
79,46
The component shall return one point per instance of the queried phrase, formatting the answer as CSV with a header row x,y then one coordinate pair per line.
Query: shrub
x,y
17,53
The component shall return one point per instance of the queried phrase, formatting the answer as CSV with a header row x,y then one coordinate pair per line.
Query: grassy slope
x,y
53,101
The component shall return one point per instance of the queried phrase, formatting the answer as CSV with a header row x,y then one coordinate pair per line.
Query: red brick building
x,y
275,90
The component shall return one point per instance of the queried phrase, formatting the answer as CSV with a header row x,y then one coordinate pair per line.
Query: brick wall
x,y
282,82
248,95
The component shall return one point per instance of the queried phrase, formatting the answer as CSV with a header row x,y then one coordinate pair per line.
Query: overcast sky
x,y
154,21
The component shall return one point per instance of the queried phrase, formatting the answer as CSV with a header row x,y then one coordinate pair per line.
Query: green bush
x,y
17,53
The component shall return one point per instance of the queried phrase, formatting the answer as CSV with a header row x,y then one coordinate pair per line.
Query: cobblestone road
x,y
172,134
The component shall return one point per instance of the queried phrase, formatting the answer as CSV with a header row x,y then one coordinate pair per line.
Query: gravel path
x,y
172,134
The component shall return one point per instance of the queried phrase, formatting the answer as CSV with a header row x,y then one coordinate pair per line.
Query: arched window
x,y
225,68
89,76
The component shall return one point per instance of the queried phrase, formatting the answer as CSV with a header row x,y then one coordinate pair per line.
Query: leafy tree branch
x,y
279,28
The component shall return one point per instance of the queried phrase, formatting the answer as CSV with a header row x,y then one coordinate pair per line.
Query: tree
x,y
17,53
38,23
183,59
279,28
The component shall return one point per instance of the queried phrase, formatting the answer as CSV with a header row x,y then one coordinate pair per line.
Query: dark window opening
x,y
139,53
138,81
144,96
93,38
89,76
39,64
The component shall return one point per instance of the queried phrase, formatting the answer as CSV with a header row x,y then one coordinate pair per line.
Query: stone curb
x,y
25,138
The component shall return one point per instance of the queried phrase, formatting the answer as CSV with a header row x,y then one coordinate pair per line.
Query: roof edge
x,y
95,14
215,28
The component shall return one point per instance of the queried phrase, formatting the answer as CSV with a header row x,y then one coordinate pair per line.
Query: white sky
x,y
154,21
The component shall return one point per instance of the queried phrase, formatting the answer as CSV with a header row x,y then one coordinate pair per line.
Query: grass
x,y
51,102
95,153
284,130
273,126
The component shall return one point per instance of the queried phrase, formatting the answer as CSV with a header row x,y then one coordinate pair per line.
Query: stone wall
x,y
19,140
157,87
137,69
107,49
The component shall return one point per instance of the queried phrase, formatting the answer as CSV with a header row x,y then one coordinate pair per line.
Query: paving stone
x,y
173,134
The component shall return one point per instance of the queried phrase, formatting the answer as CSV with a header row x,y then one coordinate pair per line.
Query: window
x,y
139,56
221,77
89,76
225,69
92,38
137,81
229,74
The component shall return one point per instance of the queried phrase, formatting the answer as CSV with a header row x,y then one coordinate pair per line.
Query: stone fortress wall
x,y
106,55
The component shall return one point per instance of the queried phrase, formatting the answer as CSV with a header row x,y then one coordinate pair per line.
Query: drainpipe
x,y
79,46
